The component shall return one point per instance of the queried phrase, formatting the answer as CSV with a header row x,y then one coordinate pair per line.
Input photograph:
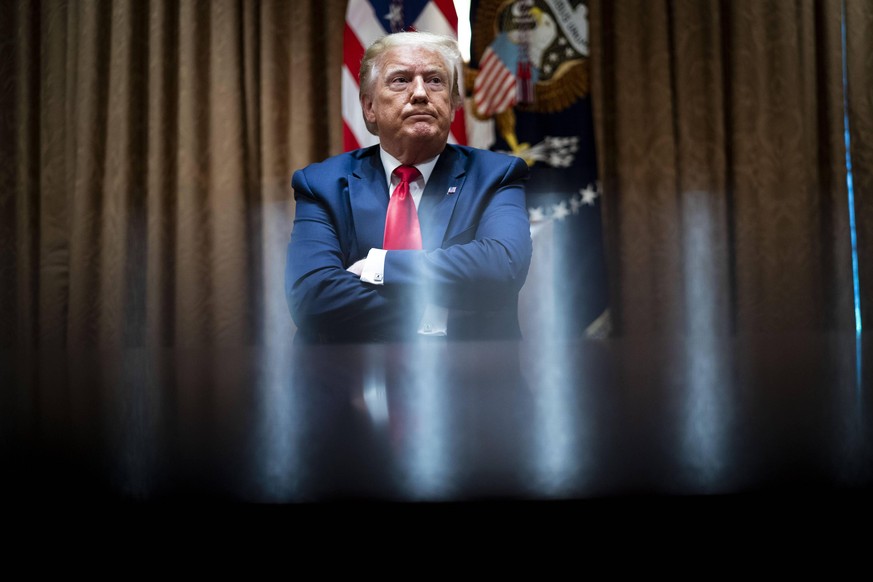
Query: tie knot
x,y
407,173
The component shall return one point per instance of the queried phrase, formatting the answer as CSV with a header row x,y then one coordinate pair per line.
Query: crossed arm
x,y
483,264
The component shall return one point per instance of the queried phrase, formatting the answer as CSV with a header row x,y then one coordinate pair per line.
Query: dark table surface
x,y
442,423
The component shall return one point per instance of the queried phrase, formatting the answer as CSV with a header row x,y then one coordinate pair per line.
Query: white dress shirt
x,y
435,318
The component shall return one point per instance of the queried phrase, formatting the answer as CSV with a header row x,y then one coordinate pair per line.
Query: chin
x,y
428,130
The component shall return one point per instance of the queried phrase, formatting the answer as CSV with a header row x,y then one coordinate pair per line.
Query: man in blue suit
x,y
365,264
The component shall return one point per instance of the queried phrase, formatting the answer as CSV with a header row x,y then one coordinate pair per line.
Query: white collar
x,y
390,163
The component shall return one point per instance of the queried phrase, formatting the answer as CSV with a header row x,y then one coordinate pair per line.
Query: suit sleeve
x,y
485,265
322,296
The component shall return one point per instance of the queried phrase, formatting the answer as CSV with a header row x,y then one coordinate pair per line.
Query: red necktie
x,y
402,230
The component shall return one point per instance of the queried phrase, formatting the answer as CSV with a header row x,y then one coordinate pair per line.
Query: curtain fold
x,y
720,139
146,181
859,80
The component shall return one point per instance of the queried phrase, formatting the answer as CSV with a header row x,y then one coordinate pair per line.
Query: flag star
x,y
547,69
575,204
536,214
562,41
553,56
568,51
395,16
560,211
589,195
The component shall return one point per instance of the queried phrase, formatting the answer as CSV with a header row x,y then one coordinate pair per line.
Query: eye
x,y
398,81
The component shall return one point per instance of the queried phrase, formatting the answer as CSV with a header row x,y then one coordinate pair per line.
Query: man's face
x,y
411,103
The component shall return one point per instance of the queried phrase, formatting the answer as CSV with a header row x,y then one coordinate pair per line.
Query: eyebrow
x,y
408,70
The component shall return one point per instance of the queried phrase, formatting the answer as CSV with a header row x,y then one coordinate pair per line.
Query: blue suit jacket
x,y
475,234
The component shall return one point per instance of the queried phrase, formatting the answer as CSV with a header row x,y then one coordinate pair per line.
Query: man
x,y
441,246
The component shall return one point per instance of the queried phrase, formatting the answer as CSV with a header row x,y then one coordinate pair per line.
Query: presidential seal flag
x,y
528,76
366,22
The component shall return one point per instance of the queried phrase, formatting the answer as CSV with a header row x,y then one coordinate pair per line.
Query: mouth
x,y
420,115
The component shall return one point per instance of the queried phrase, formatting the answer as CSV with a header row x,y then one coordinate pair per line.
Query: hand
x,y
357,268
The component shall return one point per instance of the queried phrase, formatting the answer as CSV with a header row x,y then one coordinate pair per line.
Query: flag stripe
x,y
494,89
447,7
495,93
362,19
493,74
352,116
458,130
493,86
349,138
434,20
353,51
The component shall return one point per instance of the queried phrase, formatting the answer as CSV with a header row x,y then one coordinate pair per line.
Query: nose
x,y
419,90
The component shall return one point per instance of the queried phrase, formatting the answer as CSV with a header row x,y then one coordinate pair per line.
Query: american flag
x,y
366,22
494,90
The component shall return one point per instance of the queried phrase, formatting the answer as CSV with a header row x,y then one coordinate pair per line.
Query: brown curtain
x,y
147,153
721,146
859,65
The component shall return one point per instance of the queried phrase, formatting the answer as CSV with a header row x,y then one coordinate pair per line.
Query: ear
x,y
367,108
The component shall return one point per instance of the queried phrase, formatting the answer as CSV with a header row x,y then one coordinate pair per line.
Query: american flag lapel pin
x,y
451,190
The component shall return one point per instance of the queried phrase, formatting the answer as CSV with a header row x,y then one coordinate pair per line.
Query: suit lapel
x,y
368,196
440,197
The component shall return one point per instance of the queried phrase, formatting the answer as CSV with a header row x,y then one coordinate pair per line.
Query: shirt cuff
x,y
374,267
434,321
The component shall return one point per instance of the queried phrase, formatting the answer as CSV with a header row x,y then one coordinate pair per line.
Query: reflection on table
x,y
435,421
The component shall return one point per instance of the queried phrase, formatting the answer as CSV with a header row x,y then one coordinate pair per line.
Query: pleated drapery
x,y
148,148
722,154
